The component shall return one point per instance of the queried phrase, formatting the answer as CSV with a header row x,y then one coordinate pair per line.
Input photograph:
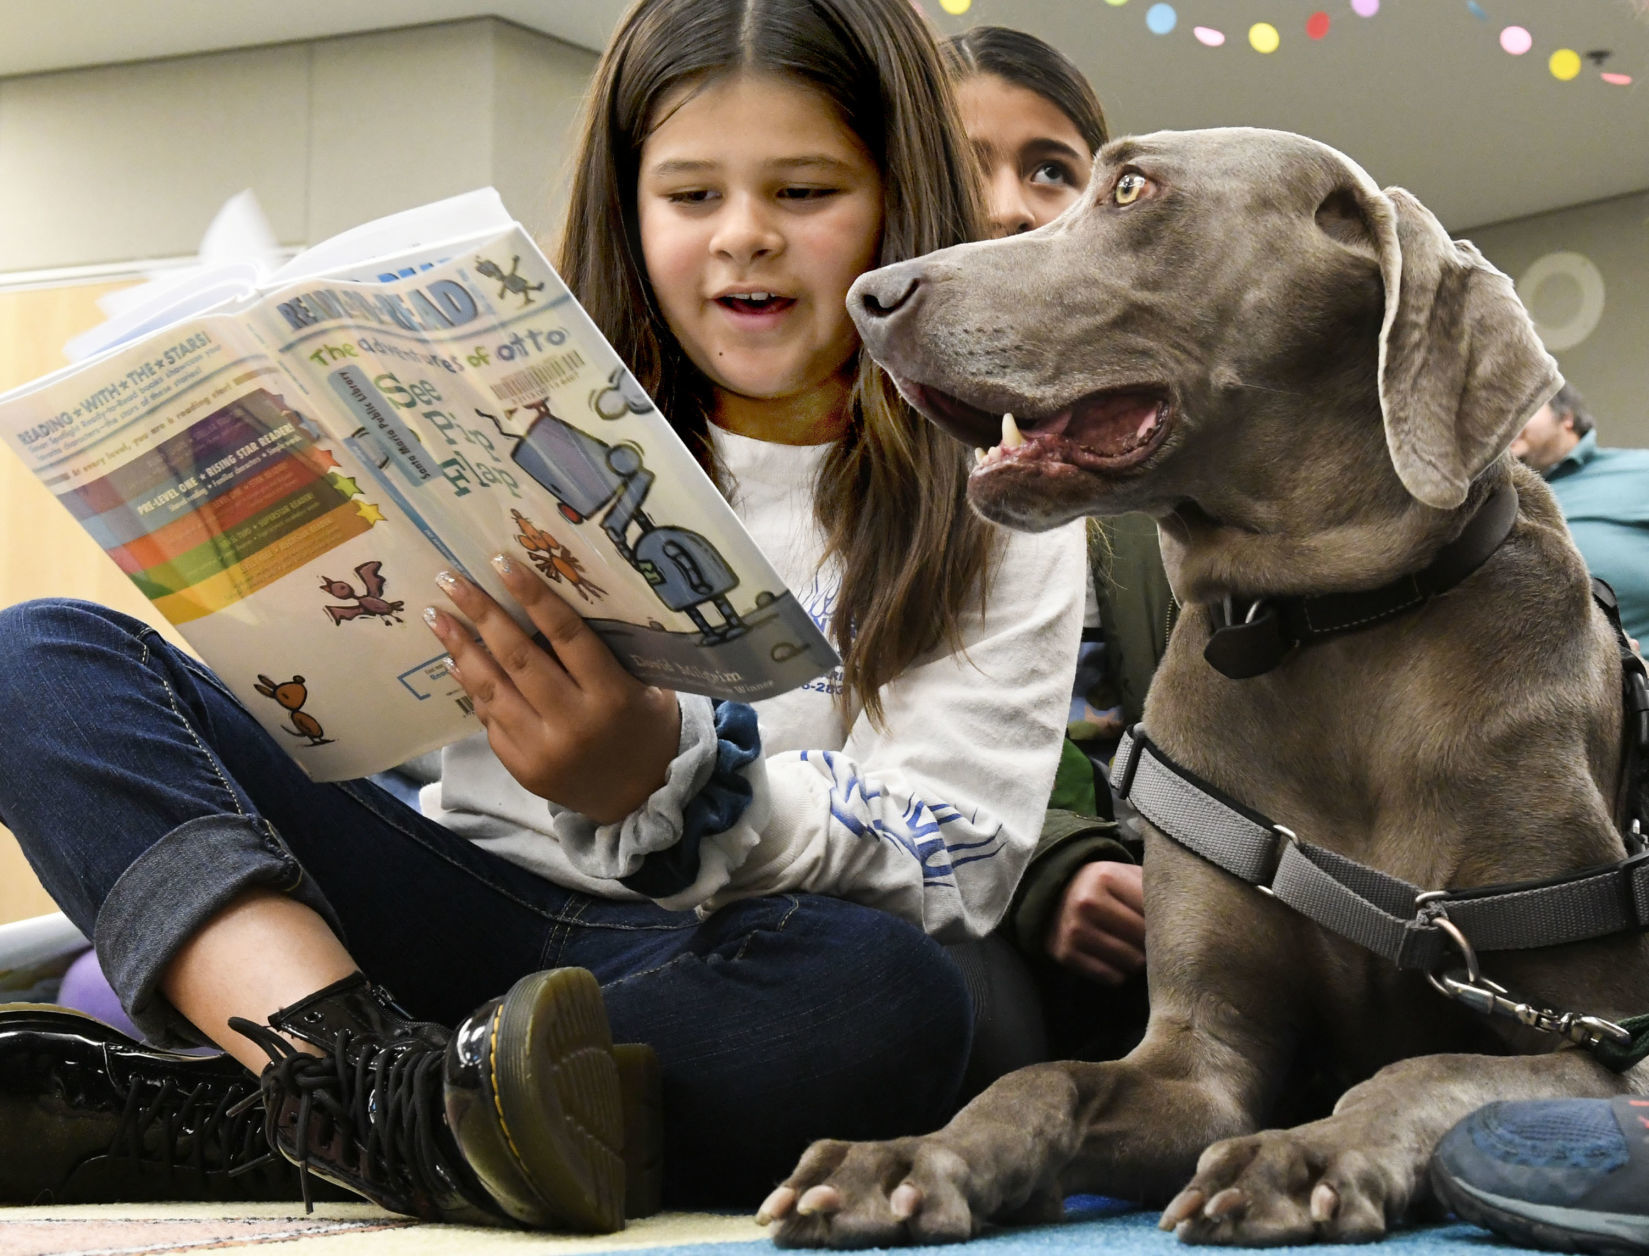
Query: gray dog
x,y
1311,389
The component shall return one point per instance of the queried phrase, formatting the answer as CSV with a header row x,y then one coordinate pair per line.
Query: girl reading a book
x,y
759,896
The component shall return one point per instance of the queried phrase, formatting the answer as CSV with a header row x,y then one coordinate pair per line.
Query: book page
x,y
494,417
237,516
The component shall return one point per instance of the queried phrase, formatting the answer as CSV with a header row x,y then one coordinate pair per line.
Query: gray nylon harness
x,y
1414,928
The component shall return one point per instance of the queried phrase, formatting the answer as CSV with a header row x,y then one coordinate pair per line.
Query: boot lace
x,y
213,1118
382,1100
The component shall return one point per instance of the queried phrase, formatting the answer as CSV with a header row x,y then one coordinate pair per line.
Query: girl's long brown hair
x,y
890,494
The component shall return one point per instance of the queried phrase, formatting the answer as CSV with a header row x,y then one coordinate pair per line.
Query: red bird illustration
x,y
367,603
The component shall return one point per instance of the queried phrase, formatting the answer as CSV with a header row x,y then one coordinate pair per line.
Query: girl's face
x,y
1036,162
758,208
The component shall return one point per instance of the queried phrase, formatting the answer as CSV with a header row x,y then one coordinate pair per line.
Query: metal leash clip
x,y
1489,998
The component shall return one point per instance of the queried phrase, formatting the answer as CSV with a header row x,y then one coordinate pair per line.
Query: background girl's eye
x,y
1052,172
1129,188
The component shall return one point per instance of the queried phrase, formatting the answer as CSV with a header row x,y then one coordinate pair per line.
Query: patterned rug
x,y
332,1230
362,1230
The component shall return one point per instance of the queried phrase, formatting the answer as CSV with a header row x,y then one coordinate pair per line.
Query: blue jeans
x,y
147,798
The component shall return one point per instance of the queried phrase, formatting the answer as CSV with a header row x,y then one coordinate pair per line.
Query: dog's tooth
x,y
978,456
1012,438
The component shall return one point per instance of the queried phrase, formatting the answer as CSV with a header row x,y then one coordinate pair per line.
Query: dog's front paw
x,y
909,1190
1281,1186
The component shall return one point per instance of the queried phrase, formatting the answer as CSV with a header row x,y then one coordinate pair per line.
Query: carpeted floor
x,y
362,1230
332,1230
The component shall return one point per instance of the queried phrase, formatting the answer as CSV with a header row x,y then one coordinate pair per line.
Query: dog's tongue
x,y
1109,423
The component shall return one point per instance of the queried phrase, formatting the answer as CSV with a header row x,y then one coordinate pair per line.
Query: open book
x,y
282,466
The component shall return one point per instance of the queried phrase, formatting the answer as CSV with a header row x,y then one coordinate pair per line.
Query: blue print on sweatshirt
x,y
820,604
919,830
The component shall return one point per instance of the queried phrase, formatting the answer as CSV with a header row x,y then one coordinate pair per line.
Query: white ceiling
x,y
1421,93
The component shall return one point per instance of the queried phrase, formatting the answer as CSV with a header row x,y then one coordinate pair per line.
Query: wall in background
x,y
1584,274
123,162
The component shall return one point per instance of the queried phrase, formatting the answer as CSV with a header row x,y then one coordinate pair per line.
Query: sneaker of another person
x,y
1567,1174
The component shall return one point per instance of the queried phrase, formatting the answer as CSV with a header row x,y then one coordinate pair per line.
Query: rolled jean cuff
x,y
170,892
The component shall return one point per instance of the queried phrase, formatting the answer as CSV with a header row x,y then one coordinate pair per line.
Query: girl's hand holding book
x,y
568,722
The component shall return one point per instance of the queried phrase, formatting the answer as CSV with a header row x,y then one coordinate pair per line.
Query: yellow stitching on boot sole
x,y
569,1117
497,1103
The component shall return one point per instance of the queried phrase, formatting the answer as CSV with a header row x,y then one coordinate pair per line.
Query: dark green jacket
x,y
1136,614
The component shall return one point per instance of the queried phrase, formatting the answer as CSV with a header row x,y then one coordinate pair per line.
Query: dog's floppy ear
x,y
1461,368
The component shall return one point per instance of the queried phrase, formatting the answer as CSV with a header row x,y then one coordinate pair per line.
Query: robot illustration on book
x,y
686,572
511,283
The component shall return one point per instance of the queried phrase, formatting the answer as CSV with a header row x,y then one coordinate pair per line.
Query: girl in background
x,y
760,894
1033,120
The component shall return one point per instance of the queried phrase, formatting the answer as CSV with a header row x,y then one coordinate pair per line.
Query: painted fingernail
x,y
447,581
451,664
502,563
431,616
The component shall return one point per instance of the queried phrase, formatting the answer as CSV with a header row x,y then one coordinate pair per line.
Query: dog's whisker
x,y
1281,392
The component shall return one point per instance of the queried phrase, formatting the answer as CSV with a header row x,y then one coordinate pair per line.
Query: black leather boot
x,y
87,1115
516,1117
534,1097
366,1114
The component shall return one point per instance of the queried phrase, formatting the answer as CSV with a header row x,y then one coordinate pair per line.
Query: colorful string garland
x,y
1565,64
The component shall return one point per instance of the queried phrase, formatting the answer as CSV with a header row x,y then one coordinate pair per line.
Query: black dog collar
x,y
1274,627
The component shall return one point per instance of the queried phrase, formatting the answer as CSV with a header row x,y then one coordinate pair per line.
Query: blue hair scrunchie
x,y
714,809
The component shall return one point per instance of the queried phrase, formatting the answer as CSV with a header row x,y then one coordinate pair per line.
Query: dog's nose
x,y
882,293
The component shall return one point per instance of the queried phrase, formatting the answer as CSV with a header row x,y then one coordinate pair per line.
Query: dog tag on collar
x,y
1248,649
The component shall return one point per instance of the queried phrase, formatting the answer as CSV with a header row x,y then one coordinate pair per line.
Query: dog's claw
x,y
825,1199
906,1201
1231,1202
1181,1208
777,1205
1325,1202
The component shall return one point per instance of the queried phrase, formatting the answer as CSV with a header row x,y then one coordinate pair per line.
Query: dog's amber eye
x,y
1129,188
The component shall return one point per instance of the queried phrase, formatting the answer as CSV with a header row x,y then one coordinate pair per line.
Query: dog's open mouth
x,y
1103,431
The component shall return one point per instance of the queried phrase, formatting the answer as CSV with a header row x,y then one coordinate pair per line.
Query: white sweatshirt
x,y
931,817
